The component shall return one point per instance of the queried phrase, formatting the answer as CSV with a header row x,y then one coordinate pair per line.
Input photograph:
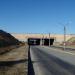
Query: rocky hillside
x,y
7,39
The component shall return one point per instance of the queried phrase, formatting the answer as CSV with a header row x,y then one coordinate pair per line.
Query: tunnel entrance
x,y
46,42
39,41
33,41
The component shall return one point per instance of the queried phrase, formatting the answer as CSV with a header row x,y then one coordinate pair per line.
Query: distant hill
x,y
7,39
71,41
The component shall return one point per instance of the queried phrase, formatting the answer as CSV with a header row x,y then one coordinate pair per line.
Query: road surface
x,y
51,61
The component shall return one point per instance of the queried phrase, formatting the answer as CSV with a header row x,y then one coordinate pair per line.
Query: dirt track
x,y
14,62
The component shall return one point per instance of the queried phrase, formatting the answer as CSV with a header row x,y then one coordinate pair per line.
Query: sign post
x,y
49,39
64,37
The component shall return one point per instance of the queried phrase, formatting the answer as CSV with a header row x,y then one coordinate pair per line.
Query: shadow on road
x,y
30,65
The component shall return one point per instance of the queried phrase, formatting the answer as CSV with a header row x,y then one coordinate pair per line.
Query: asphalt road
x,y
51,61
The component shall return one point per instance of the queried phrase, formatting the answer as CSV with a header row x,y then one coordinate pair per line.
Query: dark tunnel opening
x,y
37,41
46,42
33,41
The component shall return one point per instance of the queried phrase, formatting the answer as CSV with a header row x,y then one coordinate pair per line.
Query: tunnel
x,y
46,42
33,41
37,41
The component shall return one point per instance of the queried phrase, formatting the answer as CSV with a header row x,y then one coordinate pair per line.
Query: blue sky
x,y
37,16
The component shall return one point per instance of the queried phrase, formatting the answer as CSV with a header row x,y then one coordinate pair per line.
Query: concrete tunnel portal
x,y
39,41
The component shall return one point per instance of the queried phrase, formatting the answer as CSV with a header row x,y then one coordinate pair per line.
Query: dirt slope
x,y
7,39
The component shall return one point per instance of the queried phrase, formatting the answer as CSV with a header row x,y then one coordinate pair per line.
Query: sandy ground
x,y
14,62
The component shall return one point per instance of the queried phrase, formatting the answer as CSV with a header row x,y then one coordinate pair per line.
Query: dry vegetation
x,y
13,55
7,39
14,62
